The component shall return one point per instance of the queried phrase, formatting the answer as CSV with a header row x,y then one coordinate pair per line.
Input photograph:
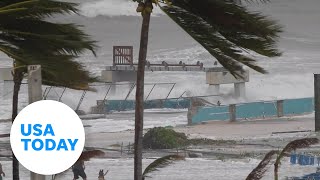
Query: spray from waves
x,y
189,55
113,8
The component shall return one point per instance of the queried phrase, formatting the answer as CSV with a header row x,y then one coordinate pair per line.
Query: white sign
x,y
47,137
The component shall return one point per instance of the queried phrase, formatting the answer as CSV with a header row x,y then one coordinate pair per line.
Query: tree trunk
x,y
17,79
276,166
140,95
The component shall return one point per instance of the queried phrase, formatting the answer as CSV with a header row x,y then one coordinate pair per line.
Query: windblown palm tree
x,y
258,172
29,38
293,145
225,28
160,163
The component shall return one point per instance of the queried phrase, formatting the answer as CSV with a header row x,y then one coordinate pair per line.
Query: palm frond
x,y
36,8
254,1
258,172
161,163
296,144
13,10
227,31
57,70
59,38
17,4
29,38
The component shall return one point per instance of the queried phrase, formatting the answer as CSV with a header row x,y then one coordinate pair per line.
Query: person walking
x,y
78,170
1,172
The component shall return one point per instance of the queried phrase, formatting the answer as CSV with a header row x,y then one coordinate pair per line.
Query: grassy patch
x,y
167,138
163,138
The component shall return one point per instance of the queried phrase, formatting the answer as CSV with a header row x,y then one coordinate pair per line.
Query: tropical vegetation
x,y
28,37
225,28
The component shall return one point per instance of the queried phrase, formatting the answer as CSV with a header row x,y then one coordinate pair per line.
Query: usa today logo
x,y
47,137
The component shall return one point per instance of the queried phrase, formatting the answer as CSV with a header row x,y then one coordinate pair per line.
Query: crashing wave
x,y
113,8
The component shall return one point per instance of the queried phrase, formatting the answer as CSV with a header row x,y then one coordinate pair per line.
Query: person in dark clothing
x,y
102,174
1,172
78,170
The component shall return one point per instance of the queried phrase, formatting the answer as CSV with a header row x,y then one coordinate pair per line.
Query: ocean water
x,y
115,22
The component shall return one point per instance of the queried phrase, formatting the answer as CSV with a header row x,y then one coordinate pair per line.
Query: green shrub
x,y
163,138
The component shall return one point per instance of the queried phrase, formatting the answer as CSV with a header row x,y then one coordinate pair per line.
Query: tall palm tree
x,y
225,28
28,37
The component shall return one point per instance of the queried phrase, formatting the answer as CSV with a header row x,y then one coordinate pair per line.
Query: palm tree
x,y
29,38
258,172
293,145
160,163
225,28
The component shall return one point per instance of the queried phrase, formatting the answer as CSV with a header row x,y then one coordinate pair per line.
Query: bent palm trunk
x,y
17,79
276,167
140,96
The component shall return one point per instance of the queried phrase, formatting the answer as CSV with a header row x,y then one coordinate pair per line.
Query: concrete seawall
x,y
254,110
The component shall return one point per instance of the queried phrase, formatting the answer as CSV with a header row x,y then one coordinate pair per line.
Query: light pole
x,y
317,101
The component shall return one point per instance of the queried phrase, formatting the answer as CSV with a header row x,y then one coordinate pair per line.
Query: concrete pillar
x,y
280,108
317,101
189,115
193,109
239,89
99,108
7,83
34,83
117,76
35,94
232,112
214,88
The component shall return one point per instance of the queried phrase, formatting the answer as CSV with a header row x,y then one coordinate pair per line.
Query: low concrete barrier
x,y
127,105
254,110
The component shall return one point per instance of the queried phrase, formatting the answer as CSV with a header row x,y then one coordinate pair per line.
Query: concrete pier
x,y
239,89
214,88
215,76
214,79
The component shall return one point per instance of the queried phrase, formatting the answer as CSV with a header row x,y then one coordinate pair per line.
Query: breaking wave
x,y
112,8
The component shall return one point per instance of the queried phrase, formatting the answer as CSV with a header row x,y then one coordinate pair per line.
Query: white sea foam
x,y
291,75
112,8
198,168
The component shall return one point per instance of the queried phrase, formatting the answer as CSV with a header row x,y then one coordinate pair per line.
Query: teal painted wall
x,y
126,105
211,113
254,110
298,106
